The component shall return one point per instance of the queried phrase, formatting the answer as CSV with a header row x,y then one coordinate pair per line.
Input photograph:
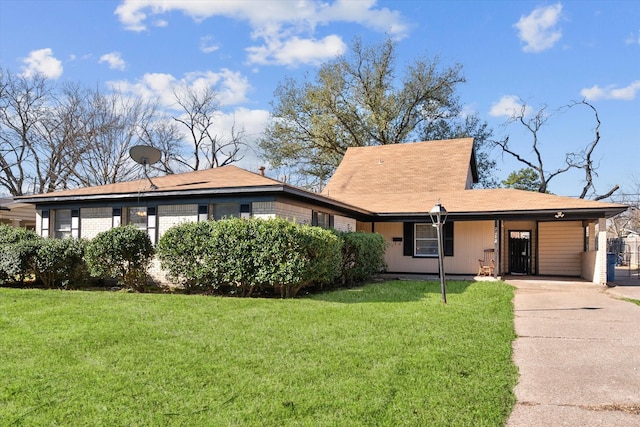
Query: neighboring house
x,y
385,189
17,214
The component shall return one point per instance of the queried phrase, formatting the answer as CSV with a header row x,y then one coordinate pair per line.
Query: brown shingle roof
x,y
499,200
390,169
385,180
410,178
223,177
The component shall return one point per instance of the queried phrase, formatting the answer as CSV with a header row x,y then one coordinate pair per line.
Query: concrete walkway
x,y
578,353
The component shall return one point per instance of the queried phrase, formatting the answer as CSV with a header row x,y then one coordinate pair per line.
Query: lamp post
x,y
438,216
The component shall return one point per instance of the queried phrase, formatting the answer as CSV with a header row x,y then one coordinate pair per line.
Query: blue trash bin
x,y
611,267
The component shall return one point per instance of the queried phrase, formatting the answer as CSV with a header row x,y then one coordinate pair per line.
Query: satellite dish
x,y
145,155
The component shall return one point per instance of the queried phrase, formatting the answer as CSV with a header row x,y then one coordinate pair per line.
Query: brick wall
x,y
342,223
170,215
263,210
94,221
293,213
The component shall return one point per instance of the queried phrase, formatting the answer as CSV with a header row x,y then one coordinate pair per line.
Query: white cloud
x,y
152,86
114,60
539,30
509,106
42,62
161,23
253,122
207,44
277,23
633,39
627,93
231,87
297,51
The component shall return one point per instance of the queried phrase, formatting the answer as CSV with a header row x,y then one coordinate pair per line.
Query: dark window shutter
x,y
408,239
314,218
447,240
331,221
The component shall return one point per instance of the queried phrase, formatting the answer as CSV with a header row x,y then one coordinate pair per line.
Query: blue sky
x,y
546,53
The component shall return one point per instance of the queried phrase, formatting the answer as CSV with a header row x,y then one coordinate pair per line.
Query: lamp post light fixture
x,y
438,216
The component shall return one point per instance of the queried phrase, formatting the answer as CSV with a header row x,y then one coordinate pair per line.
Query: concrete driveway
x,y
578,353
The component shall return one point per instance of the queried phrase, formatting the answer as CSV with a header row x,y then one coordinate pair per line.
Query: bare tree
x,y
629,220
201,108
582,159
164,135
54,138
23,105
57,148
112,123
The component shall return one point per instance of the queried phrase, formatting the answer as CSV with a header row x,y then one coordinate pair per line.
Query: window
x,y
226,210
421,239
137,216
62,223
322,219
144,218
426,240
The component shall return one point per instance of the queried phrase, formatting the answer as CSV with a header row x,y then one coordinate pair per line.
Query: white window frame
x,y
225,206
149,213
62,229
430,242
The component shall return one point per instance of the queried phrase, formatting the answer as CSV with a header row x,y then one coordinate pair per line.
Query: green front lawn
x,y
388,354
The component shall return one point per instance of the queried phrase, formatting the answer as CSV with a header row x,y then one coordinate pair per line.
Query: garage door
x,y
560,245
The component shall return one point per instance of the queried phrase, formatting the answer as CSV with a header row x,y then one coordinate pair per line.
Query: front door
x,y
520,252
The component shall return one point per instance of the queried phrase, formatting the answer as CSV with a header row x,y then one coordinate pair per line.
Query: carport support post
x,y
600,275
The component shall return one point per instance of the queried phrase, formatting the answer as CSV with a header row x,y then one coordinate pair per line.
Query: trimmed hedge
x,y
17,248
186,254
60,262
290,257
234,256
362,256
241,256
54,262
249,255
122,253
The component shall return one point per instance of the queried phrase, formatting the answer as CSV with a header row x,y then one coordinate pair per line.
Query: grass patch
x,y
631,300
388,354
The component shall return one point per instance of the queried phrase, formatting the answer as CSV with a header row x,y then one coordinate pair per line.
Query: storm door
x,y
520,252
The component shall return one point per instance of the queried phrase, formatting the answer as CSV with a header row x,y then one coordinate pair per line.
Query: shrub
x,y
185,252
16,260
10,235
362,256
122,253
290,256
17,249
60,262
235,246
250,255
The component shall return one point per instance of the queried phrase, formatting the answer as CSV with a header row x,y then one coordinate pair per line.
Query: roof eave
x,y
539,214
155,194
